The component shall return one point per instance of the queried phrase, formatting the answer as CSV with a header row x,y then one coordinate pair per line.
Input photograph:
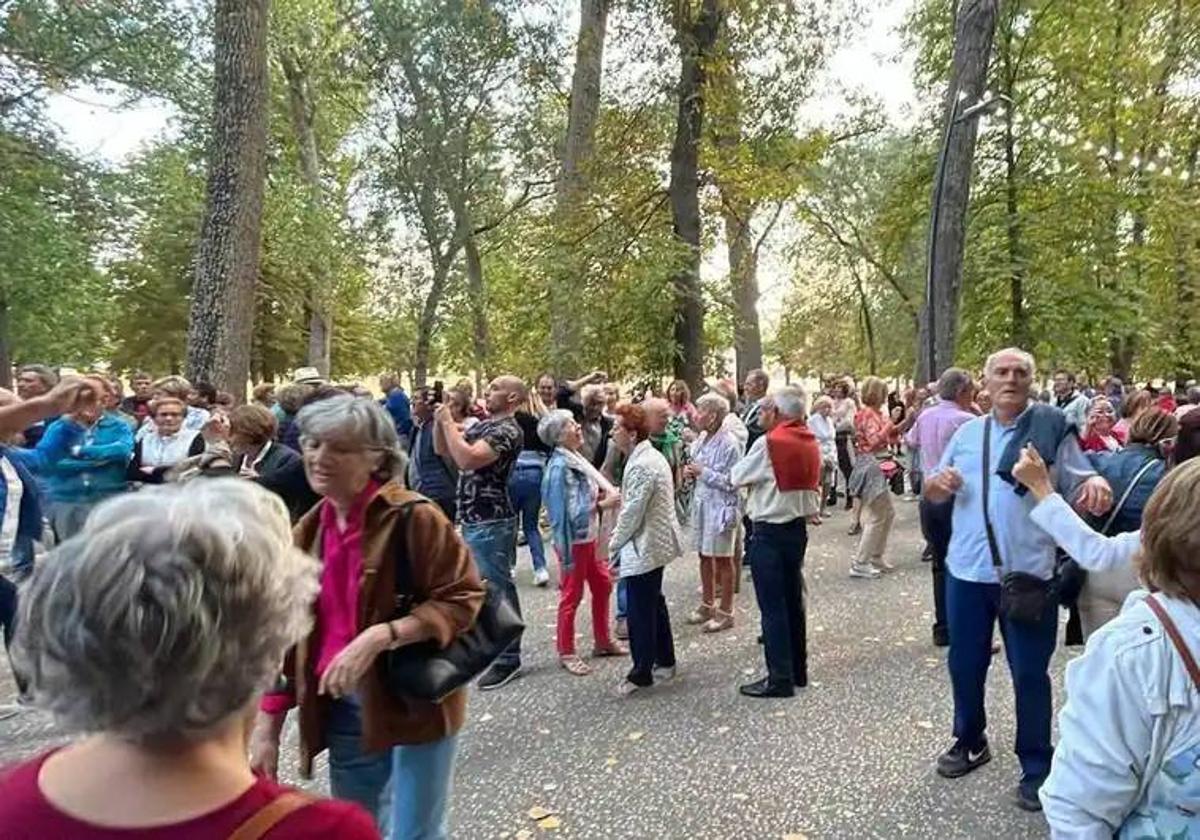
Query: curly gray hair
x,y
361,421
168,612
550,427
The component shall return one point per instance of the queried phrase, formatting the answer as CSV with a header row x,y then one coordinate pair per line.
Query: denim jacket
x,y
570,501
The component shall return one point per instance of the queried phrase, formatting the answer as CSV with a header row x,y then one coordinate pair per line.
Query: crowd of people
x,y
224,565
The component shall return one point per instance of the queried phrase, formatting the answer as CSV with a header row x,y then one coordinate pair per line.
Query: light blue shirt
x,y
1023,546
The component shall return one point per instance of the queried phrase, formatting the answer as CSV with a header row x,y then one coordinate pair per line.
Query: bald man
x,y
485,455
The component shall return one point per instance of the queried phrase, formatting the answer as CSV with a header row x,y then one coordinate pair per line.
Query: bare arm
x,y
467,456
66,397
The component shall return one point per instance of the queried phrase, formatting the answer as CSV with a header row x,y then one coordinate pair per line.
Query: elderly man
x,y
754,389
782,474
35,381
994,539
1070,399
934,427
485,455
596,425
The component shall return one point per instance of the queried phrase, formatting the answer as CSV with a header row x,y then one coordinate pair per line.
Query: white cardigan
x,y
646,534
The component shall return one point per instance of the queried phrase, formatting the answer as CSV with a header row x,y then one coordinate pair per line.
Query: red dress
x,y
26,814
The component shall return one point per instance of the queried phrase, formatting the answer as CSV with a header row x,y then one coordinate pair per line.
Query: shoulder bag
x,y
1024,598
430,673
1189,662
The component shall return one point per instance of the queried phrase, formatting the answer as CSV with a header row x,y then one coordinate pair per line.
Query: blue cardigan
x,y
78,464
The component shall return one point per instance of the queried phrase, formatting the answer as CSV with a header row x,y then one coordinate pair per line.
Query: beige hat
x,y
307,376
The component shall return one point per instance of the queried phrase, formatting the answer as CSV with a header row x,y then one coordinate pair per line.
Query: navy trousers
x,y
777,568
651,644
935,527
973,609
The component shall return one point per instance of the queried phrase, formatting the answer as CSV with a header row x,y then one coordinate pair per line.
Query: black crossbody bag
x,y
1023,597
427,672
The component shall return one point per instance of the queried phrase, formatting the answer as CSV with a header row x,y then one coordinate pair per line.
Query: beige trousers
x,y
877,518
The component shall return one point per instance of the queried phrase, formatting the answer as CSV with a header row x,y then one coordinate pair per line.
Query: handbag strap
x,y
993,546
270,815
1112,517
1176,637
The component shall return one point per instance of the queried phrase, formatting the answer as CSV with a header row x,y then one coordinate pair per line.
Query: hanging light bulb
x,y
962,95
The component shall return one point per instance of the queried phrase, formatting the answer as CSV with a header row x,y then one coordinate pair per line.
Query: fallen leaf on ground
x,y
924,724
543,731
537,812
636,736
486,718
741,797
549,824
795,836
721,730
611,761
549,786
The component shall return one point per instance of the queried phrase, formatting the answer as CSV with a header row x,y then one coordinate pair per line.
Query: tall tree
x,y
696,32
222,314
975,29
570,186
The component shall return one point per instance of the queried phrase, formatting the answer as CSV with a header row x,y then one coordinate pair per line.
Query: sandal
x,y
720,621
611,649
701,614
575,666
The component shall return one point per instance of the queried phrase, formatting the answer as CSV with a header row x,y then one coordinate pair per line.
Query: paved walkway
x,y
850,757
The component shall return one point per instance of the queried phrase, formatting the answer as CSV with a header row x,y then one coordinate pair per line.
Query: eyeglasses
x,y
167,415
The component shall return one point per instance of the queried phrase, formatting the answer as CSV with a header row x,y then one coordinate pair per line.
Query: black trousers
x,y
936,520
8,619
651,644
777,566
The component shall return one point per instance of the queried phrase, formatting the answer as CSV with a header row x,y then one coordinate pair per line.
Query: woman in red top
x,y
1100,433
156,629
873,435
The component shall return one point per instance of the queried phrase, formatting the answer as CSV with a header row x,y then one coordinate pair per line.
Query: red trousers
x,y
587,568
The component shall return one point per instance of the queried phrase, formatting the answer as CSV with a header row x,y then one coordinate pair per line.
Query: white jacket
x,y
646,534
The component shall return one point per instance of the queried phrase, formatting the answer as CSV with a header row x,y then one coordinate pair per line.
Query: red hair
x,y
633,418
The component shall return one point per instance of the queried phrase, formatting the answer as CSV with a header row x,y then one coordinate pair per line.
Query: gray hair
x,y
168,613
714,402
590,393
550,427
47,376
791,402
360,421
1016,352
953,382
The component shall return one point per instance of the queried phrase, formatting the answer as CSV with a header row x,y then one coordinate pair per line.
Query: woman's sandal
x,y
720,621
575,666
701,614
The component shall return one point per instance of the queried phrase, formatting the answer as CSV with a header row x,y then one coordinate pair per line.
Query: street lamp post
x,y
954,118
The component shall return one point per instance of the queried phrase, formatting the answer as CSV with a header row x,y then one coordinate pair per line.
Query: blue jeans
x,y
972,610
525,491
776,567
407,788
494,547
622,599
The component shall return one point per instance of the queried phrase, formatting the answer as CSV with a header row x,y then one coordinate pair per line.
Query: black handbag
x,y
430,673
1024,598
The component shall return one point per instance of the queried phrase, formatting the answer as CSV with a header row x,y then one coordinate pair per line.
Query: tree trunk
x,y
577,148
743,282
868,325
477,292
6,367
696,40
302,110
975,29
222,312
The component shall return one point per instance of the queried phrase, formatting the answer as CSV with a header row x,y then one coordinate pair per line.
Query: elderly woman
x,y
279,469
1100,434
364,526
196,593
714,512
1129,745
874,435
167,444
574,492
645,539
821,424
178,388
679,397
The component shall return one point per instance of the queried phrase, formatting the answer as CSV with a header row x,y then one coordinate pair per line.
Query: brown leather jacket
x,y
449,593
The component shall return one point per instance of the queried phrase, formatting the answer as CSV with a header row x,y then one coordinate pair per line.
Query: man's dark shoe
x,y
959,761
500,674
1025,795
941,637
765,688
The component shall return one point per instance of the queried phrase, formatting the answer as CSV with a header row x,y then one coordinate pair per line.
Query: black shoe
x,y
760,640
1025,795
849,503
801,682
941,637
498,675
959,761
765,688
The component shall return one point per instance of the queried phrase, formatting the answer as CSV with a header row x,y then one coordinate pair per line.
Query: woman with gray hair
x,y
574,492
155,630
364,527
714,512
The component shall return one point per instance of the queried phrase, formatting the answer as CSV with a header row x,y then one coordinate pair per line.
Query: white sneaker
x,y
869,572
664,674
541,577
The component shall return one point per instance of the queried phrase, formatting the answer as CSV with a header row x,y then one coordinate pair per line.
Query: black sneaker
x,y
500,674
959,761
1025,795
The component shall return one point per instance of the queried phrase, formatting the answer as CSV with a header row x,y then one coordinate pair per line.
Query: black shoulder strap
x,y
987,481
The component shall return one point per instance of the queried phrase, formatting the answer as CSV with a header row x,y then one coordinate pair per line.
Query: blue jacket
x,y
80,464
569,500
400,408
1119,469
29,521
1042,425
